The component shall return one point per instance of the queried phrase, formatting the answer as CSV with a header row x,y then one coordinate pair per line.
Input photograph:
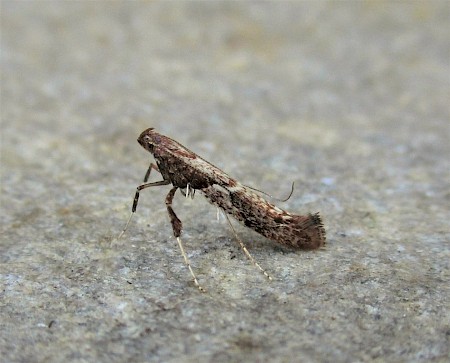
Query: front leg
x,y
136,195
143,186
147,174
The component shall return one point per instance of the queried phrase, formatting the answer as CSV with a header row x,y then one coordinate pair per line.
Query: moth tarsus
x,y
188,172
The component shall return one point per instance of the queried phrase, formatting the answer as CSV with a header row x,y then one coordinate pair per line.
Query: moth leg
x,y
177,227
174,220
146,185
147,174
186,261
247,253
136,197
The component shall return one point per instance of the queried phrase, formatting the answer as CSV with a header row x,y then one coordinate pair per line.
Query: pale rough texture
x,y
348,99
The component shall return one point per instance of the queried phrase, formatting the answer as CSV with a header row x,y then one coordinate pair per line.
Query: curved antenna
x,y
271,196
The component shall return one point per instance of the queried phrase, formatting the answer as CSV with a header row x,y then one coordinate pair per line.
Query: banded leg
x,y
136,195
149,170
177,227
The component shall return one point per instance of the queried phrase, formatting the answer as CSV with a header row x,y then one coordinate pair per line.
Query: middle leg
x,y
177,227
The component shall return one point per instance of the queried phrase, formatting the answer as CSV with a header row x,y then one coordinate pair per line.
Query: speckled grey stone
x,y
347,99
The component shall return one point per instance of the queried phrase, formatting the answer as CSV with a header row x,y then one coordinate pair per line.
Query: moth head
x,y
148,139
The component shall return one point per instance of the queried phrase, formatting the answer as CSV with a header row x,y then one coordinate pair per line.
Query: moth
x,y
187,171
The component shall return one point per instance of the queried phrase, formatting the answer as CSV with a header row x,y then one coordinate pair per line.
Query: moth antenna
x,y
271,196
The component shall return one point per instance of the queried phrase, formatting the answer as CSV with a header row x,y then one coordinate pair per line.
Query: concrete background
x,y
347,99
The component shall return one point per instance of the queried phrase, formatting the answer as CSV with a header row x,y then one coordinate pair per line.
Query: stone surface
x,y
347,99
